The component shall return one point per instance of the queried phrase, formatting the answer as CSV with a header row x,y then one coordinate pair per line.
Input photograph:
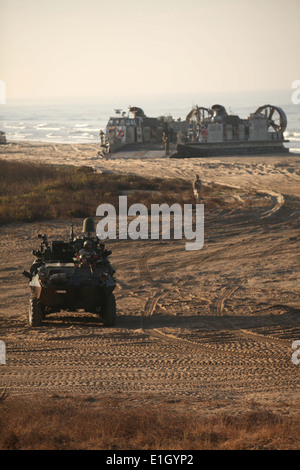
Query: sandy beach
x,y
214,327
276,174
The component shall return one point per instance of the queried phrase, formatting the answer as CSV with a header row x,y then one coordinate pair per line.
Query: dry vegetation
x,y
33,191
62,422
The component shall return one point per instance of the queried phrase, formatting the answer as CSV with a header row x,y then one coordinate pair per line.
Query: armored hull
x,y
67,287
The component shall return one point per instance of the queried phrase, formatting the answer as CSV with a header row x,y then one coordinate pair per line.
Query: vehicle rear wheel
x,y
108,311
35,312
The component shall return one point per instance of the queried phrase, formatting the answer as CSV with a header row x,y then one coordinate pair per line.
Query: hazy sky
x,y
55,48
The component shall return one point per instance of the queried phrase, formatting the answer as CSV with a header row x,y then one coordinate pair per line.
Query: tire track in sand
x,y
226,293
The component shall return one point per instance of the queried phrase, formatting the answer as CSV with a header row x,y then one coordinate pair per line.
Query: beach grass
x,y
62,422
31,192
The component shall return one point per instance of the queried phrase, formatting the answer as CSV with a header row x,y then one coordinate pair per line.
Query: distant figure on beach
x,y
197,188
167,146
105,145
101,133
165,139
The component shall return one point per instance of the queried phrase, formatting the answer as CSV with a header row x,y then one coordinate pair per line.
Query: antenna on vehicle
x,y
72,233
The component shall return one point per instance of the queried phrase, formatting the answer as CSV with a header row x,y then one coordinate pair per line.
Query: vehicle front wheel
x,y
109,311
35,312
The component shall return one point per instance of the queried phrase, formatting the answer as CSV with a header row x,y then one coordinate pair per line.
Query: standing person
x,y
101,133
197,184
165,140
167,145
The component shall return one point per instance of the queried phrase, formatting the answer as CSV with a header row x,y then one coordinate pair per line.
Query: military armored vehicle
x,y
72,276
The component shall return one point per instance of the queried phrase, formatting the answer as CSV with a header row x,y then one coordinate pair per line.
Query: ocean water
x,y
79,121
